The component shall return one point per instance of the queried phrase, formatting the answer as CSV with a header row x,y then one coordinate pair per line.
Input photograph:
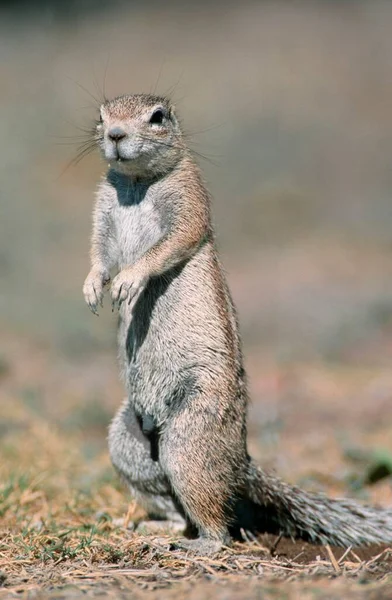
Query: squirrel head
x,y
140,135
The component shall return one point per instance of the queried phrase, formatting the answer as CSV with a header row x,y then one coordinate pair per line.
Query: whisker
x,y
212,160
194,152
76,160
75,138
104,78
189,133
68,143
171,90
98,89
82,153
159,75
84,149
86,130
86,91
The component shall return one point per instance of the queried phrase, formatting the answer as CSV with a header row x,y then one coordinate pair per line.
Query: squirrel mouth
x,y
118,157
121,158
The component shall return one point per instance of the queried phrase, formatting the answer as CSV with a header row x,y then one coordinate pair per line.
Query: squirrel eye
x,y
157,117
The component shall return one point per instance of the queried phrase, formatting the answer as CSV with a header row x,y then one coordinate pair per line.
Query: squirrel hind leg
x,y
131,455
203,478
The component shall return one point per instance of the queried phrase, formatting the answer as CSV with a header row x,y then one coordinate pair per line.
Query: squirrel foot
x,y
149,527
152,527
202,546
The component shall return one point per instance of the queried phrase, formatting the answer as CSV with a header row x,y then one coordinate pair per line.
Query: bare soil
x,y
62,508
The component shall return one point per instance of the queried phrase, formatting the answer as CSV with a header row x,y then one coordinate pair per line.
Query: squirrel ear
x,y
173,116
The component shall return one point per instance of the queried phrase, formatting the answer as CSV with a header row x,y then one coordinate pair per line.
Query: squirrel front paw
x,y
93,289
127,285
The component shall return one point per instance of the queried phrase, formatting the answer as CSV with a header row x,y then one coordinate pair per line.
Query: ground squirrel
x,y
179,439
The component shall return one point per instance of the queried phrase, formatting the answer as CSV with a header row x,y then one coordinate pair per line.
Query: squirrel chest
x,y
137,223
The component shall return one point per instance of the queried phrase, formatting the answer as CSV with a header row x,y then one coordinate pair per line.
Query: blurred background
x,y
290,102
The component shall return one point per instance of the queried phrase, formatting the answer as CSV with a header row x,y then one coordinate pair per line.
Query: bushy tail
x,y
286,509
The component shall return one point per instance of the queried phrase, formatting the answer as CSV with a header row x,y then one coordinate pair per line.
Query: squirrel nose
x,y
116,134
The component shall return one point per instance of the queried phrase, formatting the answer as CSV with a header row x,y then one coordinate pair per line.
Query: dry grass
x,y
59,535
51,539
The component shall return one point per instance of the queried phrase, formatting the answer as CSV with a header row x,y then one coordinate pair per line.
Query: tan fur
x,y
180,350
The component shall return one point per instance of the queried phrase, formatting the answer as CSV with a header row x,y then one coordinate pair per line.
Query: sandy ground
x,y
61,505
